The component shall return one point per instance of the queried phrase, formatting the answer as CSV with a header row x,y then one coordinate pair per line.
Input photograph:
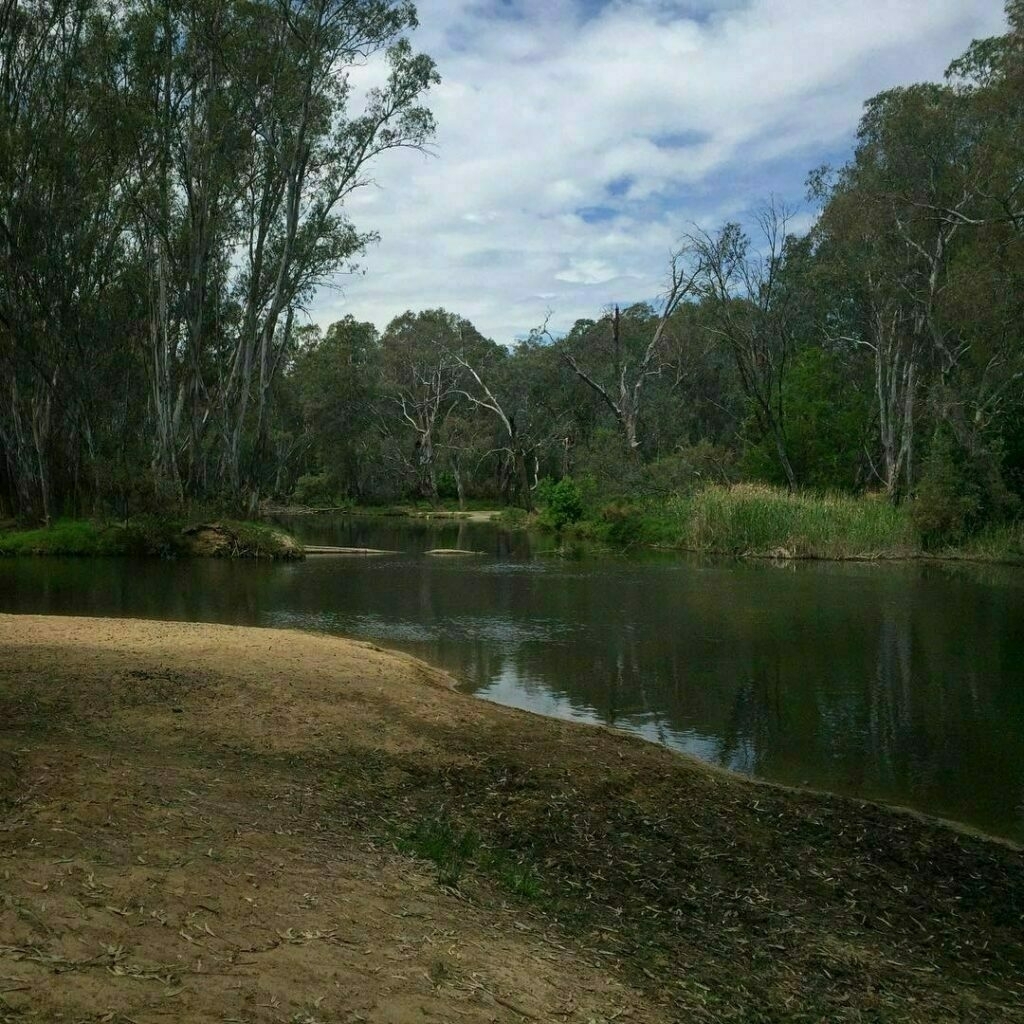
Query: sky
x,y
578,140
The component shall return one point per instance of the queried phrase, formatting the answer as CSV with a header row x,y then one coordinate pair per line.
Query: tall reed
x,y
753,519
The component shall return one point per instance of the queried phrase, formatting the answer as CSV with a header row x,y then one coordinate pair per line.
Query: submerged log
x,y
314,549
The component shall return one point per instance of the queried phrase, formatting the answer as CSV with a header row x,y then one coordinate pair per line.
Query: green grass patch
x,y
439,840
456,851
516,878
151,536
66,537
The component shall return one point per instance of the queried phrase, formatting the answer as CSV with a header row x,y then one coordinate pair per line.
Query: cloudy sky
x,y
578,139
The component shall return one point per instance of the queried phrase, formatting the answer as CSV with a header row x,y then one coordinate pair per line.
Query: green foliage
x,y
958,495
513,518
626,525
562,503
825,424
946,503
820,361
447,489
606,471
258,540
689,466
199,151
753,519
1003,543
605,468
318,490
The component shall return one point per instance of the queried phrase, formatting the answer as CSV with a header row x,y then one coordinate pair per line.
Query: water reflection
x,y
899,683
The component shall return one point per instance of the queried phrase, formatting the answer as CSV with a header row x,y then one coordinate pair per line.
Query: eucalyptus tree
x,y
256,140
990,74
984,400
173,183
188,63
333,382
616,363
66,284
423,374
873,311
924,222
755,311
312,153
514,390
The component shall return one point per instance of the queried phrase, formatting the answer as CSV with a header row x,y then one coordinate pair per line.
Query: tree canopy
x,y
173,181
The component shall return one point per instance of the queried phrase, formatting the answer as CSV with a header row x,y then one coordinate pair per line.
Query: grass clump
x,y
455,850
517,878
258,540
753,519
440,841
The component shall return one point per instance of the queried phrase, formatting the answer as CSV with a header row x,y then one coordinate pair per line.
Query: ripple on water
x,y
366,627
511,568
498,630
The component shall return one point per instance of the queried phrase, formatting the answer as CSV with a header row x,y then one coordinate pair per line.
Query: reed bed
x,y
756,520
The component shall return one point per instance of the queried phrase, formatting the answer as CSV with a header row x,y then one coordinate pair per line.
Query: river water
x,y
898,683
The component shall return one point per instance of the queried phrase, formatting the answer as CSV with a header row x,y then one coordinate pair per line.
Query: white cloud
x,y
578,139
587,272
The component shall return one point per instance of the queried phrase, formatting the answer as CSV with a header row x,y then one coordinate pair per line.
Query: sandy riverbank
x,y
212,823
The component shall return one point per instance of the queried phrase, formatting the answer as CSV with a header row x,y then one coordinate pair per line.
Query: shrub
x,y
687,467
623,524
960,494
513,518
315,489
614,471
447,489
563,503
824,426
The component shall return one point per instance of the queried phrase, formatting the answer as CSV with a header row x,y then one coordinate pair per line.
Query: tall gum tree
x,y
252,139
614,363
423,379
754,314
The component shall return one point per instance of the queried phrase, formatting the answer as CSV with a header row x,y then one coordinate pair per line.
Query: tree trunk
x,y
783,455
522,474
459,486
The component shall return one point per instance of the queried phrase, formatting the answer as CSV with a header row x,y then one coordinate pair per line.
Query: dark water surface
x,y
900,683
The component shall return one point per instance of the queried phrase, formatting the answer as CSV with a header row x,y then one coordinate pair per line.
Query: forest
x,y
173,181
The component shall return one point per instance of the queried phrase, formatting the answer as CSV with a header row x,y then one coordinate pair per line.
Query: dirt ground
x,y
207,823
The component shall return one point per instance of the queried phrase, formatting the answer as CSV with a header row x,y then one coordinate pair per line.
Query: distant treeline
x,y
152,331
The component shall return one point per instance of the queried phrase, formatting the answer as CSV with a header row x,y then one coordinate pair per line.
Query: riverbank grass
x,y
993,544
758,521
152,536
754,520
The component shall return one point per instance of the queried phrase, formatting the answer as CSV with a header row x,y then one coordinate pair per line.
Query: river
x,y
902,683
